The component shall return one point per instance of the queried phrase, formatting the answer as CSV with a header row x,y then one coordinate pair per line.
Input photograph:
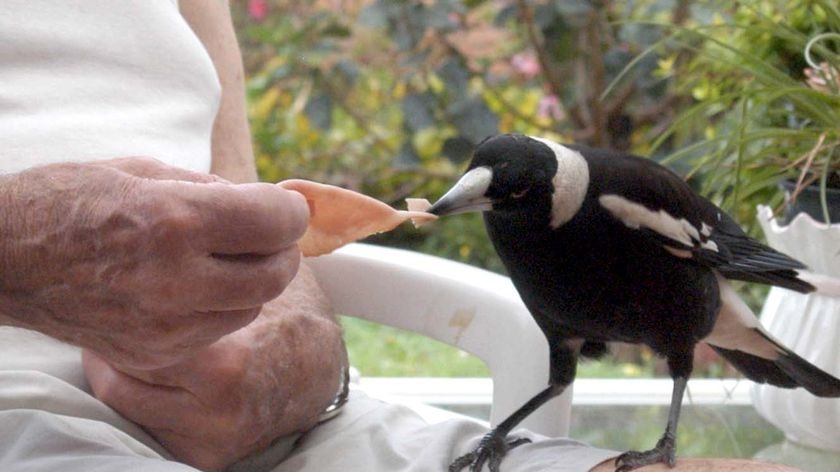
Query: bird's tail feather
x,y
741,340
785,278
824,284
809,376
788,370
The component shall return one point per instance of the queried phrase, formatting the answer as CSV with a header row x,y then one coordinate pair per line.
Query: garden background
x,y
389,97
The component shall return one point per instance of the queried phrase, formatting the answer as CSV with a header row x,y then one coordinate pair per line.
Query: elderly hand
x,y
141,262
267,380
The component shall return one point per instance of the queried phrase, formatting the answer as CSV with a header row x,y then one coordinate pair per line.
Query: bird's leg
x,y
495,445
666,447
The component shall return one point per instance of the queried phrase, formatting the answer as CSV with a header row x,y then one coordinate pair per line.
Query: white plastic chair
x,y
472,309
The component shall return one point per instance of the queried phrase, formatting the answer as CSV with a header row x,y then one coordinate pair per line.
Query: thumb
x,y
146,404
150,168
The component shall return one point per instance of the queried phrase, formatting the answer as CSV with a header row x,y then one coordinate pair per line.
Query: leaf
x,y
474,119
417,111
282,72
404,37
572,7
616,59
407,158
546,16
455,75
473,3
374,16
436,16
319,111
265,104
428,142
506,14
336,30
457,149
348,69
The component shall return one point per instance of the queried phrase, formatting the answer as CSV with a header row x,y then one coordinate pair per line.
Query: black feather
x,y
737,256
807,375
583,236
757,368
780,278
789,371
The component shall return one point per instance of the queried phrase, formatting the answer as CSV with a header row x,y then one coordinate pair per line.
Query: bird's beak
x,y
466,195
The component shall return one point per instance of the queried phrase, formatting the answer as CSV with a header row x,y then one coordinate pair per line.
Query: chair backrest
x,y
472,309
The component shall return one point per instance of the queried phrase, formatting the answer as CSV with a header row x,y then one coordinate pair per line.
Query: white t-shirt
x,y
96,79
86,80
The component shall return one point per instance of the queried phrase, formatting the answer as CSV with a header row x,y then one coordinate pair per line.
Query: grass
x,y
382,351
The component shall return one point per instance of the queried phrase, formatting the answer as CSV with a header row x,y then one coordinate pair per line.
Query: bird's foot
x,y
665,451
491,449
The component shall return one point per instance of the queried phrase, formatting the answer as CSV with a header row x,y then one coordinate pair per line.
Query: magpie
x,y
604,246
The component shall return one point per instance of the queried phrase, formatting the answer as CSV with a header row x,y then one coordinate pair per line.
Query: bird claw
x,y
491,449
665,451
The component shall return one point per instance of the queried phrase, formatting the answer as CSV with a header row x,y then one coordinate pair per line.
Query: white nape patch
x,y
736,326
636,215
570,183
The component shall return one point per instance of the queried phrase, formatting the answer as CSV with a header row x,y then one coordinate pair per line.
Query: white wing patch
x,y
570,183
636,215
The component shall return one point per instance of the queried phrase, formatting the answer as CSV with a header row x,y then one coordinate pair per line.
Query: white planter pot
x,y
810,326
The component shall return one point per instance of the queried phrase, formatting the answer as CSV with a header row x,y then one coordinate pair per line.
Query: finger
x,y
201,329
180,338
221,364
151,406
150,168
171,340
224,283
244,219
214,325
172,415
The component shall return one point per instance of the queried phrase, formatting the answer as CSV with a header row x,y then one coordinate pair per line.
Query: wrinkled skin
x,y
236,396
213,402
140,262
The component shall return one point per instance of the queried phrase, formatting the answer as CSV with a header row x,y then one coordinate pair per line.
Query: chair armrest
x,y
473,309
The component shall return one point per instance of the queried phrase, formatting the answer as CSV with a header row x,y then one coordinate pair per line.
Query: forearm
x,y
31,224
34,207
233,155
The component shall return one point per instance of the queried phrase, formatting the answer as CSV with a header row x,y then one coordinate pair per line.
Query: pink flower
x,y
526,64
820,79
550,106
257,9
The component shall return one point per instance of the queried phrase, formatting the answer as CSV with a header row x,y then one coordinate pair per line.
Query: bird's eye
x,y
519,194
